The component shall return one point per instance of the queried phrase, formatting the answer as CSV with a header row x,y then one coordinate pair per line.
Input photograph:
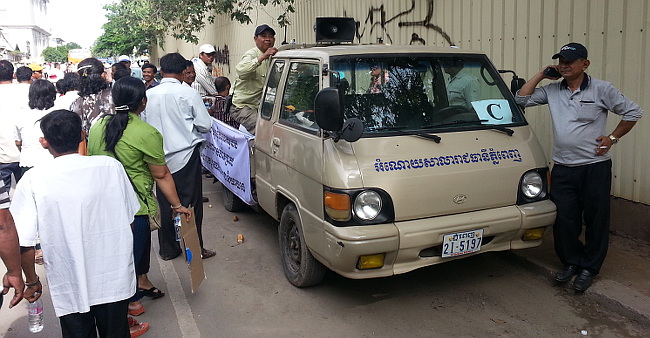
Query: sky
x,y
77,21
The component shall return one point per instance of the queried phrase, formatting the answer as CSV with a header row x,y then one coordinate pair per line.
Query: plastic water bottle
x,y
35,314
177,227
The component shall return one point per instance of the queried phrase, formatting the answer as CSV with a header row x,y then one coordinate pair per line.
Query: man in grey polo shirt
x,y
582,172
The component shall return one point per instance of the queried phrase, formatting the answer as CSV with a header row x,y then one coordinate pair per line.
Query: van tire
x,y
231,202
300,266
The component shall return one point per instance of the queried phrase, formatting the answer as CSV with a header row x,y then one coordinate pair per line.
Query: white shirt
x,y
28,131
179,114
55,74
65,101
204,82
81,207
11,102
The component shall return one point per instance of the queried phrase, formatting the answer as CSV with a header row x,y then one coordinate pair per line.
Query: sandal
x,y
136,311
136,328
154,292
38,257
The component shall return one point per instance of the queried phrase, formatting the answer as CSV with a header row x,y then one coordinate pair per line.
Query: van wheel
x,y
300,266
231,202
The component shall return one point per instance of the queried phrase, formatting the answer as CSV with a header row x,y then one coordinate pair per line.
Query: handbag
x,y
154,220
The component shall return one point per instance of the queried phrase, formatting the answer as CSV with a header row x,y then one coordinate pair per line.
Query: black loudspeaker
x,y
334,30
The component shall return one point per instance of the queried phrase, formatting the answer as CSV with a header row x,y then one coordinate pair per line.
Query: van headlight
x,y
367,205
533,186
352,207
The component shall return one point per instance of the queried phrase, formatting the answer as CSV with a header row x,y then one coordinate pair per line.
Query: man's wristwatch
x,y
613,138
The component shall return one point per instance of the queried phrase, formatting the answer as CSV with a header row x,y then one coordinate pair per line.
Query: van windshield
x,y
439,93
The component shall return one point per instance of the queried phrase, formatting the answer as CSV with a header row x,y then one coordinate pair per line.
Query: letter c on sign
x,y
489,111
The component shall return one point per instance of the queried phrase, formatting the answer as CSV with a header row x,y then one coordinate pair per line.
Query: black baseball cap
x,y
262,28
572,51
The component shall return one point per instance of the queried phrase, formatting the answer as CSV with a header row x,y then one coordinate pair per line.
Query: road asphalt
x,y
622,286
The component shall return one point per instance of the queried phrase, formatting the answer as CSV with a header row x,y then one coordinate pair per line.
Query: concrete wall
x,y
520,35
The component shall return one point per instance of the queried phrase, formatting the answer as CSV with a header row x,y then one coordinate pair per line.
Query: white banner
x,y
226,156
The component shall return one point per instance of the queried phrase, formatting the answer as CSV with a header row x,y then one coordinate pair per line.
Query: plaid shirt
x,y
218,110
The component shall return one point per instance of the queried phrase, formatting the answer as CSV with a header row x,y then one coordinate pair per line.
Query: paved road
x,y
246,295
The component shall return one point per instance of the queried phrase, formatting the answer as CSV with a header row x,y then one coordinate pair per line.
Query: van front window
x,y
439,93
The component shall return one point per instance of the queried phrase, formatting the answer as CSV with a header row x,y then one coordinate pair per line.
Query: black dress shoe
x,y
583,281
566,274
169,257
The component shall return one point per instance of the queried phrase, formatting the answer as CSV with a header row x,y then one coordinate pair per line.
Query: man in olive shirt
x,y
251,75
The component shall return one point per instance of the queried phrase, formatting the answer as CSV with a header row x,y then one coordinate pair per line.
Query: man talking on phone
x,y
582,172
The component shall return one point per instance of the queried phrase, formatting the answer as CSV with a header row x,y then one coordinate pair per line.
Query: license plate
x,y
461,243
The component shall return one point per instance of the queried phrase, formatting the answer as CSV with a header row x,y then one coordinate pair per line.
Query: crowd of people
x,y
137,132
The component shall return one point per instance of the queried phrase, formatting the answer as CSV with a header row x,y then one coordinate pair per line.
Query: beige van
x,y
378,160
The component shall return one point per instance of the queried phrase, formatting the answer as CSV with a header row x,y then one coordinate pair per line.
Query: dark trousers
x,y
190,190
141,244
582,196
110,320
6,169
141,248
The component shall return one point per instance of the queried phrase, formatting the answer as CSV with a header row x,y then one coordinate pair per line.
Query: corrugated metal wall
x,y
516,34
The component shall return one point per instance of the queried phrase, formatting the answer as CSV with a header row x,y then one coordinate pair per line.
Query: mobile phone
x,y
552,72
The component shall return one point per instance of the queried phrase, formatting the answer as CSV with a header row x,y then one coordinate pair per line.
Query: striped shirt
x,y
4,198
204,82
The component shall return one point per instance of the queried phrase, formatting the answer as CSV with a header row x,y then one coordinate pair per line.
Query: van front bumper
x,y
409,245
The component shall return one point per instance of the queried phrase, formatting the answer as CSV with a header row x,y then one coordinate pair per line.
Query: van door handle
x,y
276,144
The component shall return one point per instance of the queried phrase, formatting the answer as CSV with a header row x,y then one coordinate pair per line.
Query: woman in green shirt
x,y
139,147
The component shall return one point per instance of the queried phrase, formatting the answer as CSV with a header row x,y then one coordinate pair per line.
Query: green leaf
x,y
141,23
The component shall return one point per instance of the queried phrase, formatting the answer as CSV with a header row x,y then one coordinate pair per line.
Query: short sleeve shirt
x,y
81,207
93,107
140,145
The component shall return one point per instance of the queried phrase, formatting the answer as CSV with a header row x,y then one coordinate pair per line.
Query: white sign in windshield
x,y
493,111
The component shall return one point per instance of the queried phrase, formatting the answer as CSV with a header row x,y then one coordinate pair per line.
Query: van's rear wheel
x,y
300,266
231,202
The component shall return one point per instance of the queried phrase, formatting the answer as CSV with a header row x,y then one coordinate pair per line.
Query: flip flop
x,y
136,328
154,292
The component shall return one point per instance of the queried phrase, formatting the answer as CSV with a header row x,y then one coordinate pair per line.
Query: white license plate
x,y
462,243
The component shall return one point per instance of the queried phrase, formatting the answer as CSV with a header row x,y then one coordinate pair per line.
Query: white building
x,y
24,24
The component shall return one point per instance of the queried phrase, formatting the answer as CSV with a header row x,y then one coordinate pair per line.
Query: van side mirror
x,y
328,109
516,83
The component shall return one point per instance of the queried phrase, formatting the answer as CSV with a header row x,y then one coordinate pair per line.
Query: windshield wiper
x,y
400,130
508,131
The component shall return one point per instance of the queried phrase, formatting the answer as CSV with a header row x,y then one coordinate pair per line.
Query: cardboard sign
x,y
192,251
